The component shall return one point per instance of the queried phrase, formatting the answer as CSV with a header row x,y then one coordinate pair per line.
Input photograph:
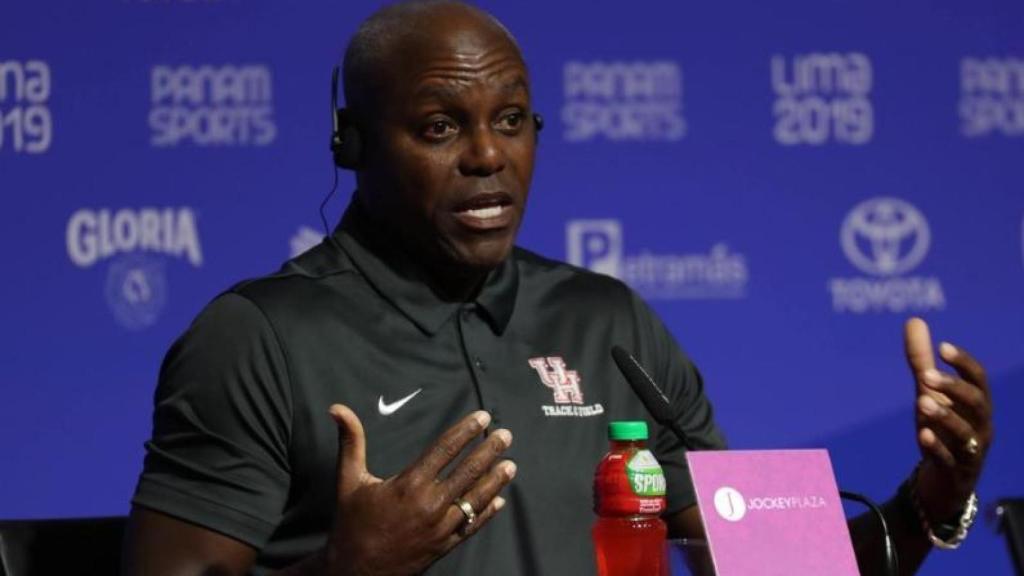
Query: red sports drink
x,y
629,496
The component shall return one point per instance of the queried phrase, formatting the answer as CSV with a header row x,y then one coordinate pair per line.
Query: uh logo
x,y
564,383
567,395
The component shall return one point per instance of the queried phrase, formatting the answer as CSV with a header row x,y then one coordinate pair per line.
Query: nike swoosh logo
x,y
389,409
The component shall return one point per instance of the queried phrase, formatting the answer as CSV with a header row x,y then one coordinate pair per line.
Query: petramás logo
x,y
885,238
598,245
26,125
640,101
211,106
822,97
137,242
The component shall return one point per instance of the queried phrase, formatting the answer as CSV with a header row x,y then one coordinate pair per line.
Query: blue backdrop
x,y
784,181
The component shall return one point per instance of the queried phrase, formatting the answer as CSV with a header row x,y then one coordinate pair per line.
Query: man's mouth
x,y
484,212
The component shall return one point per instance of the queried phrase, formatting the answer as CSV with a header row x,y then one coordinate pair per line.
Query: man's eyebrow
x,y
515,85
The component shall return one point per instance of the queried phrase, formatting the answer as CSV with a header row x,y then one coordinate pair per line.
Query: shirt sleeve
x,y
682,383
218,456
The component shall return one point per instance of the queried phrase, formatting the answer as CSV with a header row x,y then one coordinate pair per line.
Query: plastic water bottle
x,y
629,496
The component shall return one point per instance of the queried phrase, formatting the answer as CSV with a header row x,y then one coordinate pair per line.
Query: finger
x,y
966,399
917,344
467,530
448,446
351,449
951,429
485,490
966,366
934,449
476,464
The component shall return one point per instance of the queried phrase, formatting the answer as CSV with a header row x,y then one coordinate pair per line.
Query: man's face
x,y
451,157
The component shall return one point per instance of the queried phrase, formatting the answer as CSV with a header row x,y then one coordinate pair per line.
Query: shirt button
x,y
480,364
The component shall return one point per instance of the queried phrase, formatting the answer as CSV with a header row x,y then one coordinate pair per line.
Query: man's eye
x,y
511,122
438,129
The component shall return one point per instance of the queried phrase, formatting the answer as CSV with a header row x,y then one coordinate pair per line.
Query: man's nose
x,y
483,154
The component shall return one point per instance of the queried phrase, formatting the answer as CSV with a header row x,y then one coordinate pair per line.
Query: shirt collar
x,y
401,281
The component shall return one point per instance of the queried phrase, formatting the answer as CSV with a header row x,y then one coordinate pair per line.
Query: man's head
x,y
441,96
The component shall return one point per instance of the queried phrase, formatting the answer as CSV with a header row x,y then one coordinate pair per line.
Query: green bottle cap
x,y
627,430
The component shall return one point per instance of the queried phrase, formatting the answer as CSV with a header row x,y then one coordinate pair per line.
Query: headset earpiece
x,y
346,142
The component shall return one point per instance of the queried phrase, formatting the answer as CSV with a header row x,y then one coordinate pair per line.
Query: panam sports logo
x,y
26,125
992,97
211,106
885,238
623,101
822,97
137,242
598,245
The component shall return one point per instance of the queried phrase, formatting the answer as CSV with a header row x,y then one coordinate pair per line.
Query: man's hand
x,y
403,524
954,423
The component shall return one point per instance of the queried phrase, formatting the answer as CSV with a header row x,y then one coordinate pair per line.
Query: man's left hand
x,y
954,423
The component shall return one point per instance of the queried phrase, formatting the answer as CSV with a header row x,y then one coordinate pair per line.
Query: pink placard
x,y
772,513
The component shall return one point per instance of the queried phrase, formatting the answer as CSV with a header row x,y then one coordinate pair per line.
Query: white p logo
x,y
729,504
595,245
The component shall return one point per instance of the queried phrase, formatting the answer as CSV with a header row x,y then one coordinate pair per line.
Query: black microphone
x,y
649,392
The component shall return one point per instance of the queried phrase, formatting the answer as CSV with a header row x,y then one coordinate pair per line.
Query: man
x,y
432,340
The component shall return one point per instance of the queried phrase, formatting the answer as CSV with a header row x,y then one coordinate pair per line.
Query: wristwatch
x,y
945,535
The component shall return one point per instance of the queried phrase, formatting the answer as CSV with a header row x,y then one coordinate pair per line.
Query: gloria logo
x,y
211,106
598,245
885,238
623,101
137,243
822,97
992,97
26,125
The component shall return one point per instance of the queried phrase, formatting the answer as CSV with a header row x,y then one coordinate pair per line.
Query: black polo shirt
x,y
243,444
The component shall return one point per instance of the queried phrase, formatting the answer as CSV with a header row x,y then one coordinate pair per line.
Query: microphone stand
x,y
892,563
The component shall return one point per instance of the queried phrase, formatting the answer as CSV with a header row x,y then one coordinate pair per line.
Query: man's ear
x,y
347,141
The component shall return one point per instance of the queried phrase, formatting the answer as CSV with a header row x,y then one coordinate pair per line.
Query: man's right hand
x,y
403,524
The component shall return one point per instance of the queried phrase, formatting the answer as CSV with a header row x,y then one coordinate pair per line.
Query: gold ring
x,y
467,509
972,447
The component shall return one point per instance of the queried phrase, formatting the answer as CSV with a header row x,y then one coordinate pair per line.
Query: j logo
x,y
729,504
